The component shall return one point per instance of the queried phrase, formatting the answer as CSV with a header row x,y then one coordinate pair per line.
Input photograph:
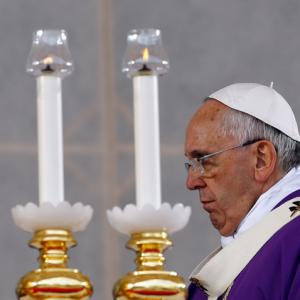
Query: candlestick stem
x,y
150,280
54,280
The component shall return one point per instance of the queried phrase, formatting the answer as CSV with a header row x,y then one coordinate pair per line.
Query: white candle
x,y
50,139
146,133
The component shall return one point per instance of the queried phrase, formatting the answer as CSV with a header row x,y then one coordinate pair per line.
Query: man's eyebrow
x,y
198,153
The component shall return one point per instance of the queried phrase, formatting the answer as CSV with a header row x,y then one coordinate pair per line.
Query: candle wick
x,y
48,69
145,69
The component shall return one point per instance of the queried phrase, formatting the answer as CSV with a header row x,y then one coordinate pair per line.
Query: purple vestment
x,y
273,273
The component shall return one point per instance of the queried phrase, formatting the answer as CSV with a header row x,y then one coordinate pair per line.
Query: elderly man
x,y
243,153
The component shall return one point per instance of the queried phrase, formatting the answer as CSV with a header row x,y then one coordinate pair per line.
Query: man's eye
x,y
208,163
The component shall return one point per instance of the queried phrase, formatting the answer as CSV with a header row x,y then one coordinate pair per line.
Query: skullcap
x,y
261,102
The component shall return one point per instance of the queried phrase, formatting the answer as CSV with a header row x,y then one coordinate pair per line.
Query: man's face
x,y
229,191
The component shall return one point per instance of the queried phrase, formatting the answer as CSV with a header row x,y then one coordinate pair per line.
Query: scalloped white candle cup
x,y
63,216
133,219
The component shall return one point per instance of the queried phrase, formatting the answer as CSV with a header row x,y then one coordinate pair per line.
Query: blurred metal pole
x,y
108,143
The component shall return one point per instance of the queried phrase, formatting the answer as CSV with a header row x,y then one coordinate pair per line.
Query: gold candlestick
x,y
53,280
150,220
150,280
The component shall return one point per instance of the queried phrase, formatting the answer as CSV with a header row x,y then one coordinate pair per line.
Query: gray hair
x,y
247,128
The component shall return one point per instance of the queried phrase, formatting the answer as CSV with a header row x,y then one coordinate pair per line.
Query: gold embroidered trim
x,y
295,208
198,284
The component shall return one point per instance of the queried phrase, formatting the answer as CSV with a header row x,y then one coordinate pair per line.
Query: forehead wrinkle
x,y
212,110
203,132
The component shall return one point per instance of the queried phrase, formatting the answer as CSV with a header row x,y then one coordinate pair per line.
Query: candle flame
x,y
145,55
48,60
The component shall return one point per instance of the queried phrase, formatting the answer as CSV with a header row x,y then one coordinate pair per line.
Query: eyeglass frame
x,y
196,163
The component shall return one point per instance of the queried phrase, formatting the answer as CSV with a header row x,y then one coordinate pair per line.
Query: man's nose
x,y
194,180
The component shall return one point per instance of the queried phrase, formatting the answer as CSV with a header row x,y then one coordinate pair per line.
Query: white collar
x,y
266,202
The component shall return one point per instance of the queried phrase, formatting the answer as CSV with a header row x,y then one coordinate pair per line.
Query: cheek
x,y
227,192
222,190
231,190
233,181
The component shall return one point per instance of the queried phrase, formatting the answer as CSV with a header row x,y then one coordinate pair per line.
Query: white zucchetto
x,y
262,102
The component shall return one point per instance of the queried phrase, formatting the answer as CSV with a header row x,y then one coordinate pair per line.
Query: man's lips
x,y
207,205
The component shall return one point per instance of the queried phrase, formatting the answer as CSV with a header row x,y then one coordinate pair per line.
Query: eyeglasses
x,y
196,164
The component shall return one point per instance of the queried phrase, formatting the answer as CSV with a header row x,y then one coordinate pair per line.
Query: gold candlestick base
x,y
150,280
53,280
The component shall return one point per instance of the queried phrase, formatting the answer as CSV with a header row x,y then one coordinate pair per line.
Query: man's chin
x,y
220,227
225,232
215,223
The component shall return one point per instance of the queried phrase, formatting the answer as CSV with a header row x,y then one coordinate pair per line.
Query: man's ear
x,y
266,159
